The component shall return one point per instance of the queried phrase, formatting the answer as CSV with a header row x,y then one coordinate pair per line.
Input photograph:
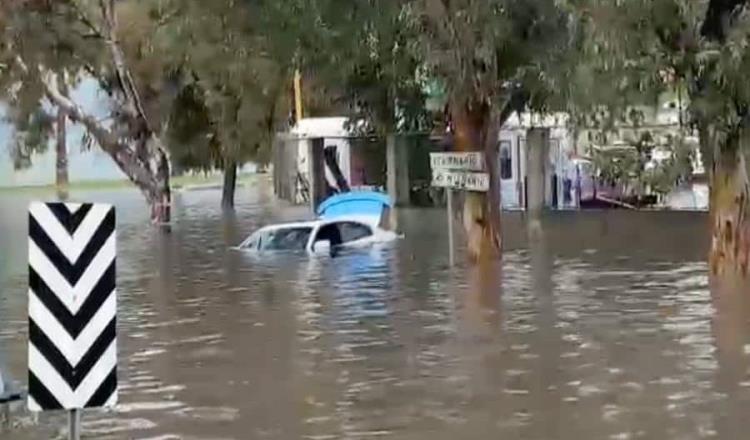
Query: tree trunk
x,y
161,205
230,184
61,159
730,211
481,214
157,190
730,328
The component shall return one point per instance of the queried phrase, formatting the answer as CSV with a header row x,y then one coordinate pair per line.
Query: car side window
x,y
351,231
285,239
252,244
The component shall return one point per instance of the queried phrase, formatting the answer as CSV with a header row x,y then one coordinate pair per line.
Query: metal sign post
x,y
463,171
451,240
74,425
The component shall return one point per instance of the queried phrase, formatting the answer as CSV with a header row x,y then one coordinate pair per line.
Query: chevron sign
x,y
72,306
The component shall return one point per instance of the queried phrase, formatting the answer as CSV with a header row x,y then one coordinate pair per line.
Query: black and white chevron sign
x,y
72,306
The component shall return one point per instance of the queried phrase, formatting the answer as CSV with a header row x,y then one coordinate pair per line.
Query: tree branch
x,y
133,102
125,158
81,15
105,138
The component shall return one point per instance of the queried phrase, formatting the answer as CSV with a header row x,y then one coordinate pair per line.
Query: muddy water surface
x,y
604,330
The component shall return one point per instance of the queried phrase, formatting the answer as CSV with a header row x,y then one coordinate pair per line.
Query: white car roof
x,y
367,220
307,224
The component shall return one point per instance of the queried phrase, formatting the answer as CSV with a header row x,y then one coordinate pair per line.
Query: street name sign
x,y
473,161
463,171
468,181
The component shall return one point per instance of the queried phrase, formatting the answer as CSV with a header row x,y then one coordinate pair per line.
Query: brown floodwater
x,y
605,329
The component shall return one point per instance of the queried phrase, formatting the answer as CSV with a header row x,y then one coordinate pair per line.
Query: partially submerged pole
x,y
317,173
397,164
451,239
537,142
397,167
74,424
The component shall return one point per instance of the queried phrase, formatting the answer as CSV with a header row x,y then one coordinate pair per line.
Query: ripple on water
x,y
609,332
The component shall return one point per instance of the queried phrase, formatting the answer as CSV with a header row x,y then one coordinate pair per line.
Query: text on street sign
x,y
479,182
473,161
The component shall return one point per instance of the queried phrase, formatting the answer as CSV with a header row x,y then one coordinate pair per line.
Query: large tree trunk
x,y
161,202
230,184
730,211
730,187
61,158
473,127
730,328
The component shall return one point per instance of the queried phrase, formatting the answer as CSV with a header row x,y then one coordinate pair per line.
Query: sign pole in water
x,y
72,309
451,245
74,425
463,171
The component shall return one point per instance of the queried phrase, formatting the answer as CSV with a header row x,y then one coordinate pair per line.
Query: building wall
x,y
512,166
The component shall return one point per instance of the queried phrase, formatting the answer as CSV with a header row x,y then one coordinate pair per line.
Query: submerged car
x,y
354,219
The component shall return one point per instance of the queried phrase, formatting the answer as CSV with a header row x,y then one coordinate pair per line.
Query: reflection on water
x,y
603,329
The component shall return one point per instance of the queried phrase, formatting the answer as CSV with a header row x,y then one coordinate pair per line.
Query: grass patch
x,y
178,182
94,185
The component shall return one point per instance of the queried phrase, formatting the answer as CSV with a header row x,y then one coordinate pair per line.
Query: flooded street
x,y
604,330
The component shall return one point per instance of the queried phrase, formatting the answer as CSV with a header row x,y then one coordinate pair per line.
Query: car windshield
x,y
285,239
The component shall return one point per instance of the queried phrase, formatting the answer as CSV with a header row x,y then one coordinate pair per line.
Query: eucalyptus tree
x,y
234,62
492,57
699,46
37,34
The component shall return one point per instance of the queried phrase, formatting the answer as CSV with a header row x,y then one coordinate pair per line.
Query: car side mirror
x,y
322,246
249,244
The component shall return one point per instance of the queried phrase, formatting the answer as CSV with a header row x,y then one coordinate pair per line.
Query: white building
x,y
512,159
334,132
359,159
